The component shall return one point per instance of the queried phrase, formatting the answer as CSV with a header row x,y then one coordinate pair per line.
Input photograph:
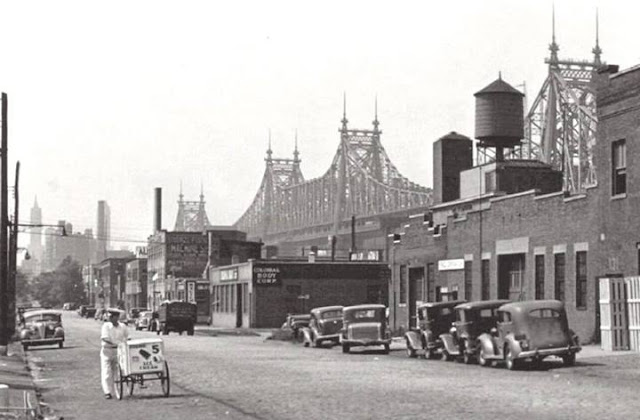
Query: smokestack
x,y
157,216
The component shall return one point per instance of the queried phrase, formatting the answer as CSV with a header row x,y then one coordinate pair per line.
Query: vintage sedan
x,y
529,330
42,327
472,319
365,325
434,319
324,325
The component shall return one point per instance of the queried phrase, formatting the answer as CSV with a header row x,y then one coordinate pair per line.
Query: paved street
x,y
248,377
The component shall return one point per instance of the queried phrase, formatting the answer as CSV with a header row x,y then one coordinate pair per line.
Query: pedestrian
x,y
113,333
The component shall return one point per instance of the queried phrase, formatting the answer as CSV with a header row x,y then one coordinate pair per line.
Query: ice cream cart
x,y
141,360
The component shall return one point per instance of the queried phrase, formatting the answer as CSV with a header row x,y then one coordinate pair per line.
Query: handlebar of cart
x,y
141,360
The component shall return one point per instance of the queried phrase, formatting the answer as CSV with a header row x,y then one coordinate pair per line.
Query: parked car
x,y
324,325
472,319
434,319
529,330
364,325
295,323
68,306
146,321
90,312
41,327
177,316
135,312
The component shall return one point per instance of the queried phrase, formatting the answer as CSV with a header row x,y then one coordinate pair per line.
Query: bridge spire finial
x,y
344,120
597,51
201,191
376,123
269,151
553,47
296,154
181,196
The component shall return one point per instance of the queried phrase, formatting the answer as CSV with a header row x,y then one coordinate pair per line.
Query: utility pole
x,y
4,278
13,258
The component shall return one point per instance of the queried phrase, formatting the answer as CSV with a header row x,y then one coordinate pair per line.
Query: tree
x,y
64,284
22,288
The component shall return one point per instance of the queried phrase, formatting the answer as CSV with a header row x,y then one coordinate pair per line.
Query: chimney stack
x,y
157,216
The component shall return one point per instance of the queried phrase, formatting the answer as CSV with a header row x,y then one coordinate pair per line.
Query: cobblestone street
x,y
249,377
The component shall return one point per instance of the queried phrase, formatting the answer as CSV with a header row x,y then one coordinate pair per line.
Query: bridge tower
x,y
192,216
560,127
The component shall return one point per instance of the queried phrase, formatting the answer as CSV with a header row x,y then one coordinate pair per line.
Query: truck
x,y
176,316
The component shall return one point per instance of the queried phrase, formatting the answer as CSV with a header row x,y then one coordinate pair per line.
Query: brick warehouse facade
x,y
528,244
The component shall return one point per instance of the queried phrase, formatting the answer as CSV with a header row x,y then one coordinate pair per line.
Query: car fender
x,y
514,344
450,343
306,336
487,345
413,340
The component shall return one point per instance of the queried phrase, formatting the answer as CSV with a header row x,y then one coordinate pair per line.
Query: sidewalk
x,y
22,391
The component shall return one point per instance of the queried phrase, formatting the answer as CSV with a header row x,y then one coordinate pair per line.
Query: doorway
x,y
511,277
416,281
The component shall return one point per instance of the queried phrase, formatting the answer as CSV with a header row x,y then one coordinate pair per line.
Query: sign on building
x,y
266,276
191,291
448,265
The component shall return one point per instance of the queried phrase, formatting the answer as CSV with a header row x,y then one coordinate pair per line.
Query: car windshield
x,y
332,314
43,317
365,315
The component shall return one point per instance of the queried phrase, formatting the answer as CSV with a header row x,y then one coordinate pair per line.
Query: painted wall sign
x,y
266,276
447,265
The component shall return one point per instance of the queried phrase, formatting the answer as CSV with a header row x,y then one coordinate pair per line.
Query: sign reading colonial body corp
x,y
266,276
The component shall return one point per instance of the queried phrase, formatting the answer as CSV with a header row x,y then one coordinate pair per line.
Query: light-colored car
x,y
529,330
365,325
145,321
41,327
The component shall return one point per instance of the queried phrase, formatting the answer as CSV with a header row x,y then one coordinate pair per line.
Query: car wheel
x,y
386,349
345,348
445,355
61,344
512,363
411,352
569,360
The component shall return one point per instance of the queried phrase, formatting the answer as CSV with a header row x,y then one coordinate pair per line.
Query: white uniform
x,y
109,353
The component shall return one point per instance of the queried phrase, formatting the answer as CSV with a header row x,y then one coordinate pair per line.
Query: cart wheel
x,y
165,381
131,386
118,382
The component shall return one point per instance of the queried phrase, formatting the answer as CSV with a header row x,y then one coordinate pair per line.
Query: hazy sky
x,y
111,99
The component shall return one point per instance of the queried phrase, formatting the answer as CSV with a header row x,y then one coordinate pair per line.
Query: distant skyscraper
x,y
103,230
35,233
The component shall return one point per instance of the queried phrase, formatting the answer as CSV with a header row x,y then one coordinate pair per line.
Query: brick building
x,y
260,293
111,281
524,238
136,285
173,255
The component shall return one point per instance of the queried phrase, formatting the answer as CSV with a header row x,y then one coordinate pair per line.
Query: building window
x,y
559,271
619,166
581,279
468,265
485,280
403,284
490,182
431,282
539,277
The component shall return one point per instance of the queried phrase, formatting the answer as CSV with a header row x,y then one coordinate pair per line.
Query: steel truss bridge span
x,y
361,181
